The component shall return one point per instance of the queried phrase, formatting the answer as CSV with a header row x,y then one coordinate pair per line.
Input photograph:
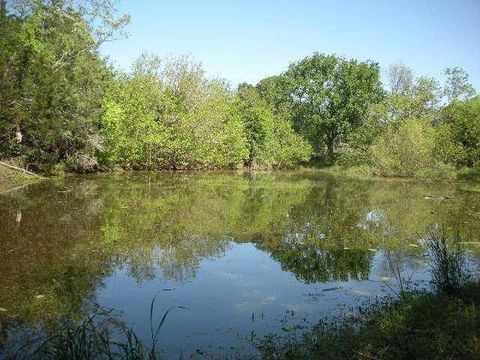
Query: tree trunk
x,y
3,8
18,133
330,149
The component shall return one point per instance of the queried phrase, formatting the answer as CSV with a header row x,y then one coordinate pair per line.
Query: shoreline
x,y
12,179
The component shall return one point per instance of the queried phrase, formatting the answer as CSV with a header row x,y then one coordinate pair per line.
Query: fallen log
x,y
20,169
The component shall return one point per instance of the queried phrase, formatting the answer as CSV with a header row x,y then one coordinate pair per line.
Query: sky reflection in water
x,y
241,252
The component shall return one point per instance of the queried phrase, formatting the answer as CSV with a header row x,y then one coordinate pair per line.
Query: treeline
x,y
166,113
64,108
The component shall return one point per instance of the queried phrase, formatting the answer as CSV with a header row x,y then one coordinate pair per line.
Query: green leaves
x,y
457,86
271,140
61,107
167,114
459,133
56,79
331,96
408,150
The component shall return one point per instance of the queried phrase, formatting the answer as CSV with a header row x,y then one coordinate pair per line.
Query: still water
x,y
235,255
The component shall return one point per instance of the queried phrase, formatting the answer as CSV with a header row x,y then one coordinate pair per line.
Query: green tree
x,y
10,29
400,79
331,97
275,91
271,140
167,114
458,135
408,96
55,80
457,86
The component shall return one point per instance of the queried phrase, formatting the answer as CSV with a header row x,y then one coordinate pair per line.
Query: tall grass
x,y
447,262
100,336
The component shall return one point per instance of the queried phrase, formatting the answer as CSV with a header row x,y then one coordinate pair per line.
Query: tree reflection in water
x,y
75,232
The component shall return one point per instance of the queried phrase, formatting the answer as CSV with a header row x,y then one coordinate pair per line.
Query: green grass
x,y
102,336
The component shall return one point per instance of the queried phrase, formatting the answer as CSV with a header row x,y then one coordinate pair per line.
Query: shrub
x,y
171,116
270,137
458,138
407,149
81,163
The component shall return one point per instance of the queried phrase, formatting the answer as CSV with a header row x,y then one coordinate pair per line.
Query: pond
x,y
235,255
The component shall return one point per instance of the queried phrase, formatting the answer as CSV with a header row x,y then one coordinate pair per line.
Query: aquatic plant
x,y
99,336
447,262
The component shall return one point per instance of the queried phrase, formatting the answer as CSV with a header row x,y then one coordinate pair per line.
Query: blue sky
x,y
249,40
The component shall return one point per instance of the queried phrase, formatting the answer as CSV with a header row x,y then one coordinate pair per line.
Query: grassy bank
x,y
416,326
471,175
442,324
10,178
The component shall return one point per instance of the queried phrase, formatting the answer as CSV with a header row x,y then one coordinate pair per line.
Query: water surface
x,y
238,254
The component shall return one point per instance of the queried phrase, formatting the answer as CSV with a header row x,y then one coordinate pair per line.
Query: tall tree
x,y
457,86
400,79
55,77
331,96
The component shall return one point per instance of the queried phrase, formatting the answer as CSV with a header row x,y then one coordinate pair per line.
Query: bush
x,y
407,149
170,116
471,174
270,137
458,137
286,147
353,157
81,163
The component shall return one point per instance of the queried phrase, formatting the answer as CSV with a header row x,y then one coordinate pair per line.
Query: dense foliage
x,y
64,108
166,114
271,139
407,149
459,133
420,129
331,97
53,81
